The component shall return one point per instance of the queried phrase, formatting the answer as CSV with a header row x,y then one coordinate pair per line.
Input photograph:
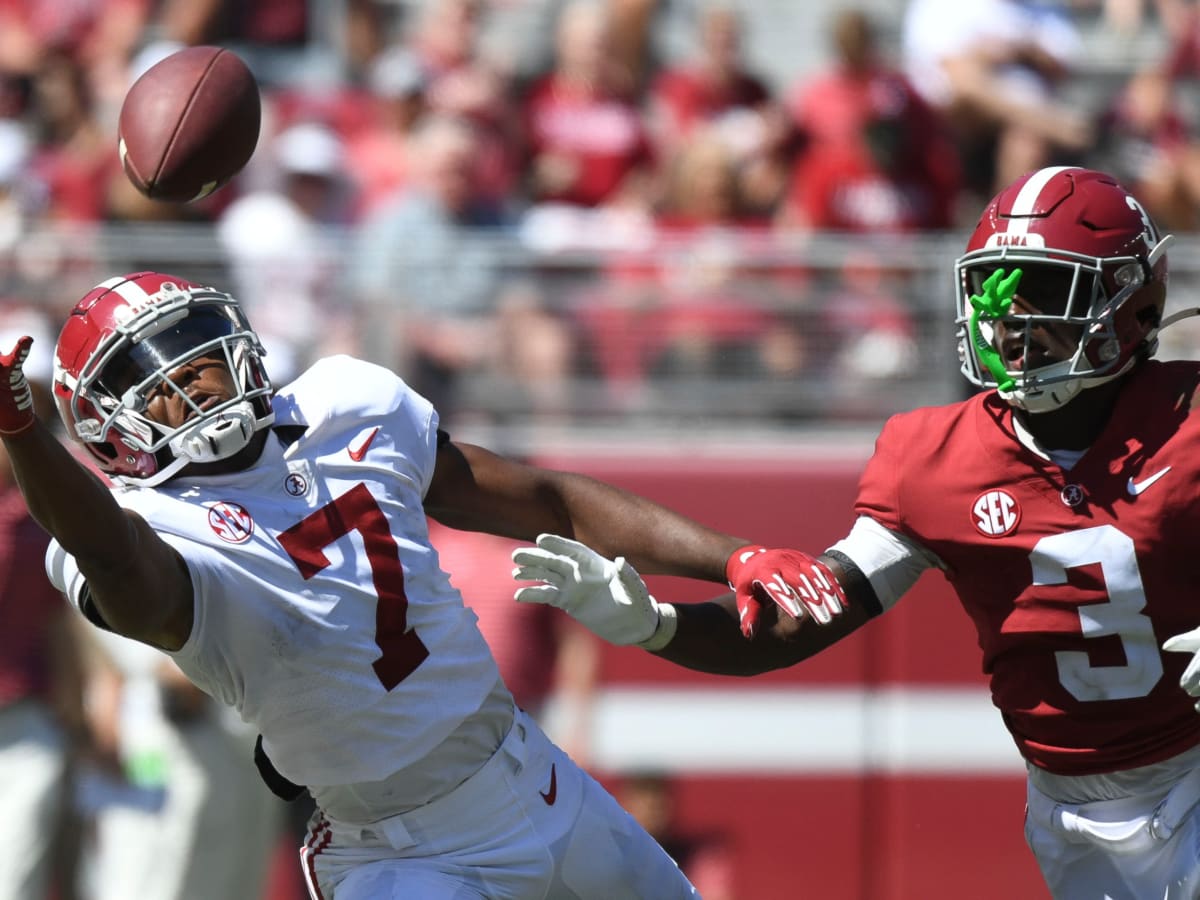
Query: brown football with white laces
x,y
189,124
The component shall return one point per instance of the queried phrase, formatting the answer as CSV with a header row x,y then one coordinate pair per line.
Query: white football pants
x,y
1137,848
530,823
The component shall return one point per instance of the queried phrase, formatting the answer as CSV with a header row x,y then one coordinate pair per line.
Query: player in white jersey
x,y
274,543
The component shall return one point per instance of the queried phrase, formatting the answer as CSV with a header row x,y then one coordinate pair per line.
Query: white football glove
x,y
1188,642
607,597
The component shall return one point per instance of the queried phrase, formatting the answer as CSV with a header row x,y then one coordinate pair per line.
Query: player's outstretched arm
x,y
476,490
138,583
610,598
709,637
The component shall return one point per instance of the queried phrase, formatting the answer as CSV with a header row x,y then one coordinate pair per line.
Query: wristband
x,y
664,632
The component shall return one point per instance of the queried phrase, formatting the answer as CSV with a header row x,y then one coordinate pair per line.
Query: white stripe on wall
x,y
799,731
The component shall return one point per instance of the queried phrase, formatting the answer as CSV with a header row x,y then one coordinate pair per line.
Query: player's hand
x,y
1188,642
794,581
16,400
607,597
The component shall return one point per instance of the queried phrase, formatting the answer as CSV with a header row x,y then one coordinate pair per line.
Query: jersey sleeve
x,y
426,421
316,399
419,422
880,545
64,574
889,560
879,486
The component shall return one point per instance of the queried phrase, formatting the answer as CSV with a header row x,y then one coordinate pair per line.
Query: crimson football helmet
x,y
119,346
1093,265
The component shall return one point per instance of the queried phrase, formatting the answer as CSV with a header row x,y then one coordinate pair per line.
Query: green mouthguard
x,y
998,293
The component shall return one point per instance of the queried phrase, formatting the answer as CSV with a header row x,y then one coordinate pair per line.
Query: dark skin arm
x,y
476,490
708,638
138,582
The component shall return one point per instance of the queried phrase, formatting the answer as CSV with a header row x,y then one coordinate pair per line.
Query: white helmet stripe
x,y
133,293
1027,197
110,282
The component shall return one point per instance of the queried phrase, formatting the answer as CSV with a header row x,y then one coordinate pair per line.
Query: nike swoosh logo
x,y
1136,487
358,452
551,795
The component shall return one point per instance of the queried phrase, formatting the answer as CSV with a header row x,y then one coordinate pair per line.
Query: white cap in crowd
x,y
14,151
309,148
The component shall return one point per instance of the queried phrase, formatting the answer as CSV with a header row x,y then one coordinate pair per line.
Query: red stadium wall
x,y
885,823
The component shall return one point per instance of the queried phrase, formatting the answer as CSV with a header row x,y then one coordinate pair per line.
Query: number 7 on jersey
x,y
356,510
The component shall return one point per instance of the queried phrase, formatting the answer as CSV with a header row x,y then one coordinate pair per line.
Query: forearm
x,y
476,490
66,499
655,539
610,599
708,638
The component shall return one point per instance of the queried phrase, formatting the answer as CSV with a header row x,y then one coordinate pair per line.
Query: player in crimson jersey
x,y
274,543
1062,505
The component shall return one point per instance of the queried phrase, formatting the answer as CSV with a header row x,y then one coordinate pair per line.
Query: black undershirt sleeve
x,y
88,608
856,584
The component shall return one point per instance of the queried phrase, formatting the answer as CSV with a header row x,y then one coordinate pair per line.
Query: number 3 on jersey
x,y
356,510
1122,615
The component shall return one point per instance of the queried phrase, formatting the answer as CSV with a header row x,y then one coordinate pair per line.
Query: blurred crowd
x,y
575,201
506,216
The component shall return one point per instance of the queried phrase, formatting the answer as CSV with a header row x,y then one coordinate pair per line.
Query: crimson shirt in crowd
x,y
601,132
29,604
691,97
844,189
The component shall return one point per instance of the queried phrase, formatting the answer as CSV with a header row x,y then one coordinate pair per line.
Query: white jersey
x,y
321,612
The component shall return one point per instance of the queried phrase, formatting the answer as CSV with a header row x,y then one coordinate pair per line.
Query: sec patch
x,y
995,513
230,522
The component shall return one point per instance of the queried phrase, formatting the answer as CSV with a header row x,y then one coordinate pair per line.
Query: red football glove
x,y
793,581
16,400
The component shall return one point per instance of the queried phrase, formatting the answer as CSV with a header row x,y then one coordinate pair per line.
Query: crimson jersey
x,y
1072,578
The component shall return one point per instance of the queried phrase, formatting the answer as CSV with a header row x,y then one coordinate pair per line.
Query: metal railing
x,y
748,329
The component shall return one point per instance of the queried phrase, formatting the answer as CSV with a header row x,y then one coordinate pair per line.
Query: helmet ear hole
x,y
1150,316
106,451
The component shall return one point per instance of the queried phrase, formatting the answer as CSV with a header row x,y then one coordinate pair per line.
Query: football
x,y
189,124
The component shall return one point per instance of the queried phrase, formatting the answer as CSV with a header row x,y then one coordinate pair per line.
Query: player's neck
x,y
1077,425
